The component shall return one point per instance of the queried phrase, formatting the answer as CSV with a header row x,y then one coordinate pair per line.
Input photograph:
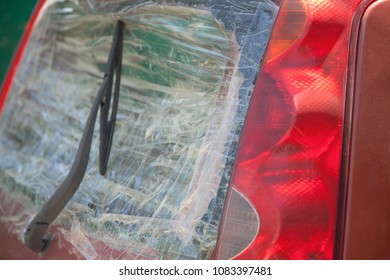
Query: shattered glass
x,y
187,76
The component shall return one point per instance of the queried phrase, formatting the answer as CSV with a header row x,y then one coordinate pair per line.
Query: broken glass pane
x,y
187,76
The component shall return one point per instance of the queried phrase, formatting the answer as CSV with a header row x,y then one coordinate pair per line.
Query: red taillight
x,y
179,125
288,161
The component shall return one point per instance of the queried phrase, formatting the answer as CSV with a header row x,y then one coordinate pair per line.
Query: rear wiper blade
x,y
34,235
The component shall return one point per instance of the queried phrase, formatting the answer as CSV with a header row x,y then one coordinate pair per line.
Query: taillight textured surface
x,y
288,160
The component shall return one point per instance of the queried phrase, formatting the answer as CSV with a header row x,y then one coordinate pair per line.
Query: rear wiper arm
x,y
34,235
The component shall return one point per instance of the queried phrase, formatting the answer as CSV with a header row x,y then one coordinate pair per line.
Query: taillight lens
x,y
187,74
287,167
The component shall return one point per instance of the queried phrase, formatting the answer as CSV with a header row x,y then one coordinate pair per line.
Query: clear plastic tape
x,y
187,76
